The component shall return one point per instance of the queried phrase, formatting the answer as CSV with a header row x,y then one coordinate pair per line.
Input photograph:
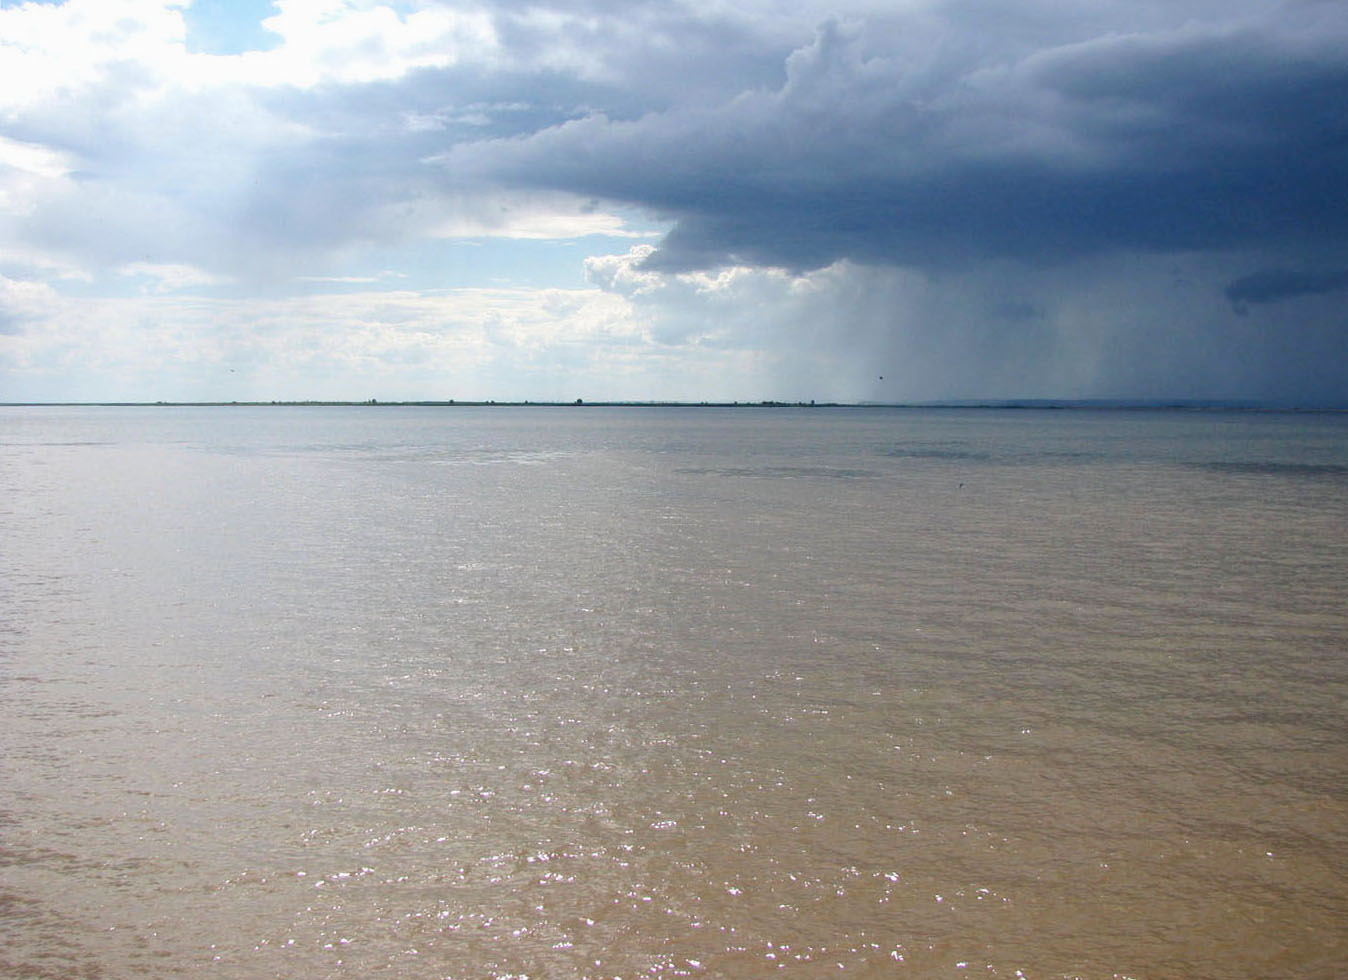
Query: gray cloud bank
x,y
1272,285
1225,135
1132,200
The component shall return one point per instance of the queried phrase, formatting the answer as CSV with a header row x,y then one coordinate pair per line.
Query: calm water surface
x,y
600,692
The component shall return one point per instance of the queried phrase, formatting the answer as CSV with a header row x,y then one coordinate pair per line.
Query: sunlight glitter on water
x,y
713,711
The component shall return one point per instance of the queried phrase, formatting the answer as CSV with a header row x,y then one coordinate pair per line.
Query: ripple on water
x,y
330,706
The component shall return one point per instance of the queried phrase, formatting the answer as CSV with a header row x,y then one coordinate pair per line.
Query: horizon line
x,y
1152,404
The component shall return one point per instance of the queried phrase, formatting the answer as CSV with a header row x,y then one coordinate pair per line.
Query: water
x,y
600,692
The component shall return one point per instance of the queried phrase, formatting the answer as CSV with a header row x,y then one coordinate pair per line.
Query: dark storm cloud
x,y
644,56
1272,285
1196,137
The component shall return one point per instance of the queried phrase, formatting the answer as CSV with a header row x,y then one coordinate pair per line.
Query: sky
x,y
908,200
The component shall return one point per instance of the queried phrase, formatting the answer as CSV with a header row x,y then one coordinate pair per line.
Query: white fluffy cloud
x,y
168,278
138,48
23,302
474,343
118,143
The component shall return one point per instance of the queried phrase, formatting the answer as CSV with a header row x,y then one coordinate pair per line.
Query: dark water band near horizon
x,y
660,693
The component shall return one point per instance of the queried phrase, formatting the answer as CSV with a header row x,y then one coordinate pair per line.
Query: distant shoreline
x,y
1041,404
